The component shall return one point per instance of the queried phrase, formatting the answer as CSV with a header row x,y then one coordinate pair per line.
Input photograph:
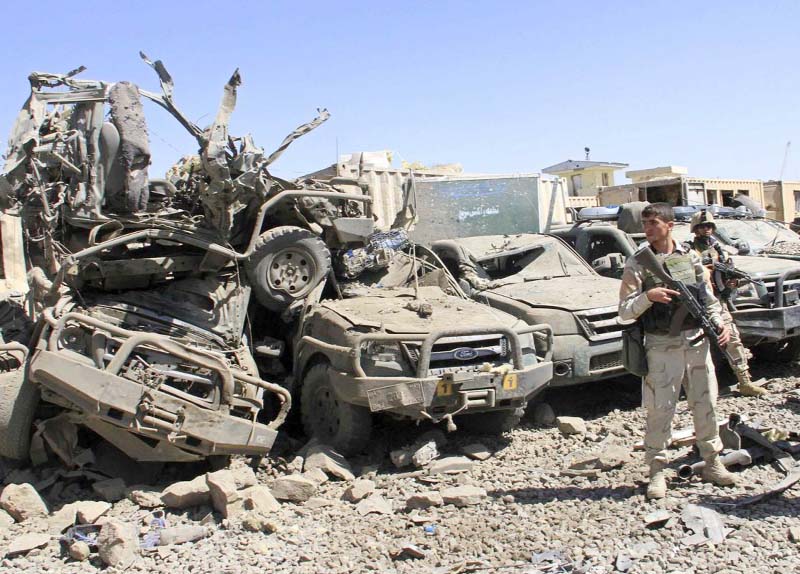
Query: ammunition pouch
x,y
634,355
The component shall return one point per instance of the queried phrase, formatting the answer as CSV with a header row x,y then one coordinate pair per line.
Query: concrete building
x,y
783,199
584,177
672,184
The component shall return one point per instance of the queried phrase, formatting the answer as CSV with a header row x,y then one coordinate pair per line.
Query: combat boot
x,y
657,487
746,386
714,471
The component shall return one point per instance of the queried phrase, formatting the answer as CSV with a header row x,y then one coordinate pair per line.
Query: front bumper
x,y
758,324
100,392
434,397
577,361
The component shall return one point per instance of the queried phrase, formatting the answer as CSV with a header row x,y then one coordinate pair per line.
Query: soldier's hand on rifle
x,y
661,294
724,336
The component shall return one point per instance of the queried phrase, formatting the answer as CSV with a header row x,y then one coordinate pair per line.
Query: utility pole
x,y
785,159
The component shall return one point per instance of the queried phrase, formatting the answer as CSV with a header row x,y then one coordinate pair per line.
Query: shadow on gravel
x,y
782,505
594,400
546,495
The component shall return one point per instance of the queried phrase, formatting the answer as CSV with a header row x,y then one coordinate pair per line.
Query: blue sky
x,y
497,86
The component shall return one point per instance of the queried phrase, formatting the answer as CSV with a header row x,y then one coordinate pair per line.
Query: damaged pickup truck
x,y
766,313
403,340
140,287
539,279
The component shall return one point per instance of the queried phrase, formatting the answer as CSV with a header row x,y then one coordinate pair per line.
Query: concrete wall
x,y
782,200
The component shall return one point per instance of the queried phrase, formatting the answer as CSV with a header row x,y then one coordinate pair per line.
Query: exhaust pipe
x,y
742,457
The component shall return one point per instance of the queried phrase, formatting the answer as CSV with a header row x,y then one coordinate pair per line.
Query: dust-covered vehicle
x,y
405,341
766,312
141,286
539,279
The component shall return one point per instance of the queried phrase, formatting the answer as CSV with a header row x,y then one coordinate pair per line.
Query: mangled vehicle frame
x,y
136,291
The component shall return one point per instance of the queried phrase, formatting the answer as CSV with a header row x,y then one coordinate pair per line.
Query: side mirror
x,y
609,264
743,247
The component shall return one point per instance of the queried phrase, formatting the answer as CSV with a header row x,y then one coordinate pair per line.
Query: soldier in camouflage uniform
x,y
709,249
674,357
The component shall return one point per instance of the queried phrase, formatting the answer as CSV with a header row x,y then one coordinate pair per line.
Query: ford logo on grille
x,y
465,354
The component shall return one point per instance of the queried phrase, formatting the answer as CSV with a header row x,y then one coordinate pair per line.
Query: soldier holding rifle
x,y
676,343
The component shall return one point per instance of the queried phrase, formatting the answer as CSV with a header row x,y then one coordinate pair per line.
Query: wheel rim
x,y
291,270
326,412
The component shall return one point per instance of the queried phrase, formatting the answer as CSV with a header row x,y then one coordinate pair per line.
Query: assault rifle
x,y
648,260
724,272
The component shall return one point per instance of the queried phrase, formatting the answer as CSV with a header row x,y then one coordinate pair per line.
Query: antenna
x,y
587,150
785,159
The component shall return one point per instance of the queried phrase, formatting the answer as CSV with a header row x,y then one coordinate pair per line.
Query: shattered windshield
x,y
757,232
540,258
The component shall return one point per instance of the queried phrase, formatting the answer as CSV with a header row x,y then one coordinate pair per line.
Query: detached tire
x,y
286,264
343,426
19,398
784,351
494,422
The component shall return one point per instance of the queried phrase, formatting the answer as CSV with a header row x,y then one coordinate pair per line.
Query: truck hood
x,y
395,311
763,266
569,293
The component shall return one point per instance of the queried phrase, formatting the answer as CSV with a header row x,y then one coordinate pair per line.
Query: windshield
x,y
538,259
758,233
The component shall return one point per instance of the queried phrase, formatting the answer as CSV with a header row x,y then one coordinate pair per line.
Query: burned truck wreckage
x,y
182,317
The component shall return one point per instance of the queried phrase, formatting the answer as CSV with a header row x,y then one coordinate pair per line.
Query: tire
x,y
19,398
784,351
343,426
286,264
494,422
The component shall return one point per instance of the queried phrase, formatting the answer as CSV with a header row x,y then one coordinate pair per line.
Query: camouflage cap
x,y
703,217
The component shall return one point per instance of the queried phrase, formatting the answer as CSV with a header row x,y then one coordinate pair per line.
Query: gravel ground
x,y
591,524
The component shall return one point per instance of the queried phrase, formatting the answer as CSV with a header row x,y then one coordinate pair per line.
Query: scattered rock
x,y
317,475
418,454
294,487
88,511
374,504
62,518
27,542
187,493
258,498
476,451
22,502
657,519
571,425
110,490
79,551
794,533
244,477
359,490
117,543
543,415
610,456
256,522
145,497
407,550
225,495
424,500
6,519
466,495
317,502
450,465
325,458
623,562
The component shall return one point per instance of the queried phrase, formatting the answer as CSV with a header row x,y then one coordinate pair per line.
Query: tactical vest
x,y
673,317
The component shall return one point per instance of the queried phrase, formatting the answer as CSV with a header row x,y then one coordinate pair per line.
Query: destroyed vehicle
x,y
767,314
408,343
539,279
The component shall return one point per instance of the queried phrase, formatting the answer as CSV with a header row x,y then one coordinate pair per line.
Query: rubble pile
x,y
782,248
513,508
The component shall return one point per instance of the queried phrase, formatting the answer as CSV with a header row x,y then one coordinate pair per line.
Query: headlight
x,y
380,359
528,345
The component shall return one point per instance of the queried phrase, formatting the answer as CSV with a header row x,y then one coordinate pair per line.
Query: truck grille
x,y
600,324
605,361
452,354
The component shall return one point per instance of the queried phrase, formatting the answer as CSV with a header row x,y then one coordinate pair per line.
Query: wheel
x,y
286,264
19,398
494,422
784,351
343,426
